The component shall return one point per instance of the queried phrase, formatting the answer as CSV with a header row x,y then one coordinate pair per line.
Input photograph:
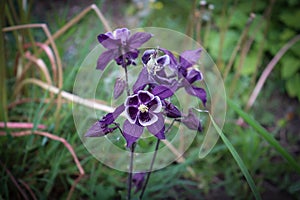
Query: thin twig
x,y
268,70
22,125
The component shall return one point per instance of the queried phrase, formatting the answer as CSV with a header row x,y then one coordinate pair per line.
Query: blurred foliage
x,y
47,167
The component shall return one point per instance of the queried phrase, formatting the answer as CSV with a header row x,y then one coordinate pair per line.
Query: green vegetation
x,y
260,138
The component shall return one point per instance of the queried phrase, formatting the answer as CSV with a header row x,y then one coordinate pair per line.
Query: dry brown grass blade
x,y
44,27
269,69
79,17
30,100
28,189
20,125
50,56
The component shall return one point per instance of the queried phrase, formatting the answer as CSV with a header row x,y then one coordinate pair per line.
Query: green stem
x,y
150,170
130,172
153,159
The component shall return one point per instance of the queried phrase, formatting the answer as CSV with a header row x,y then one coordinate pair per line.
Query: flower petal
x,y
138,181
192,122
131,114
119,87
158,128
142,80
163,60
171,110
155,105
147,118
145,96
164,91
131,132
146,55
198,92
132,100
138,39
122,34
189,57
193,76
99,129
173,61
104,59
108,42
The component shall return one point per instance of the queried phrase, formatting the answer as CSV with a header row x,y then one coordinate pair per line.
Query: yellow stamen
x,y
143,108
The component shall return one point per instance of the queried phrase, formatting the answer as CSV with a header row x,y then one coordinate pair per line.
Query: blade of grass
x,y
265,134
236,157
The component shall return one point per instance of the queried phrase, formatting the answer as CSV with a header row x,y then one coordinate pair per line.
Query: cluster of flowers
x,y
149,103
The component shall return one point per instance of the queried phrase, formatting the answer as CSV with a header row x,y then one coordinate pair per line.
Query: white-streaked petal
x,y
152,120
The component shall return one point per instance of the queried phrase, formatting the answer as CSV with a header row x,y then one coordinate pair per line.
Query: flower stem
x,y
130,172
150,170
152,162
126,78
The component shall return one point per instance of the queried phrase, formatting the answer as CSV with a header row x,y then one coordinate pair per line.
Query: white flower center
x,y
142,108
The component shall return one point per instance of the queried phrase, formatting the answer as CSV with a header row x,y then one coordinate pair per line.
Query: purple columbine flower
x,y
106,124
143,110
138,181
186,73
120,46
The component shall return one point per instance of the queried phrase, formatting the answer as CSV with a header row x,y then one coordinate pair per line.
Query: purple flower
x,y
186,73
138,180
120,46
191,121
105,125
143,110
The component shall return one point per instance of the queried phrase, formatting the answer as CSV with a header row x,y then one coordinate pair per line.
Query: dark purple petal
x,y
99,129
198,92
111,117
118,111
147,118
164,91
128,58
189,57
163,60
132,101
146,55
131,113
173,61
104,59
119,88
192,122
142,81
131,132
145,96
193,75
109,42
171,110
158,128
138,181
138,39
155,105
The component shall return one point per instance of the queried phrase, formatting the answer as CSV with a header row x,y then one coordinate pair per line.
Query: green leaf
x,y
290,65
236,157
265,134
291,18
292,85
